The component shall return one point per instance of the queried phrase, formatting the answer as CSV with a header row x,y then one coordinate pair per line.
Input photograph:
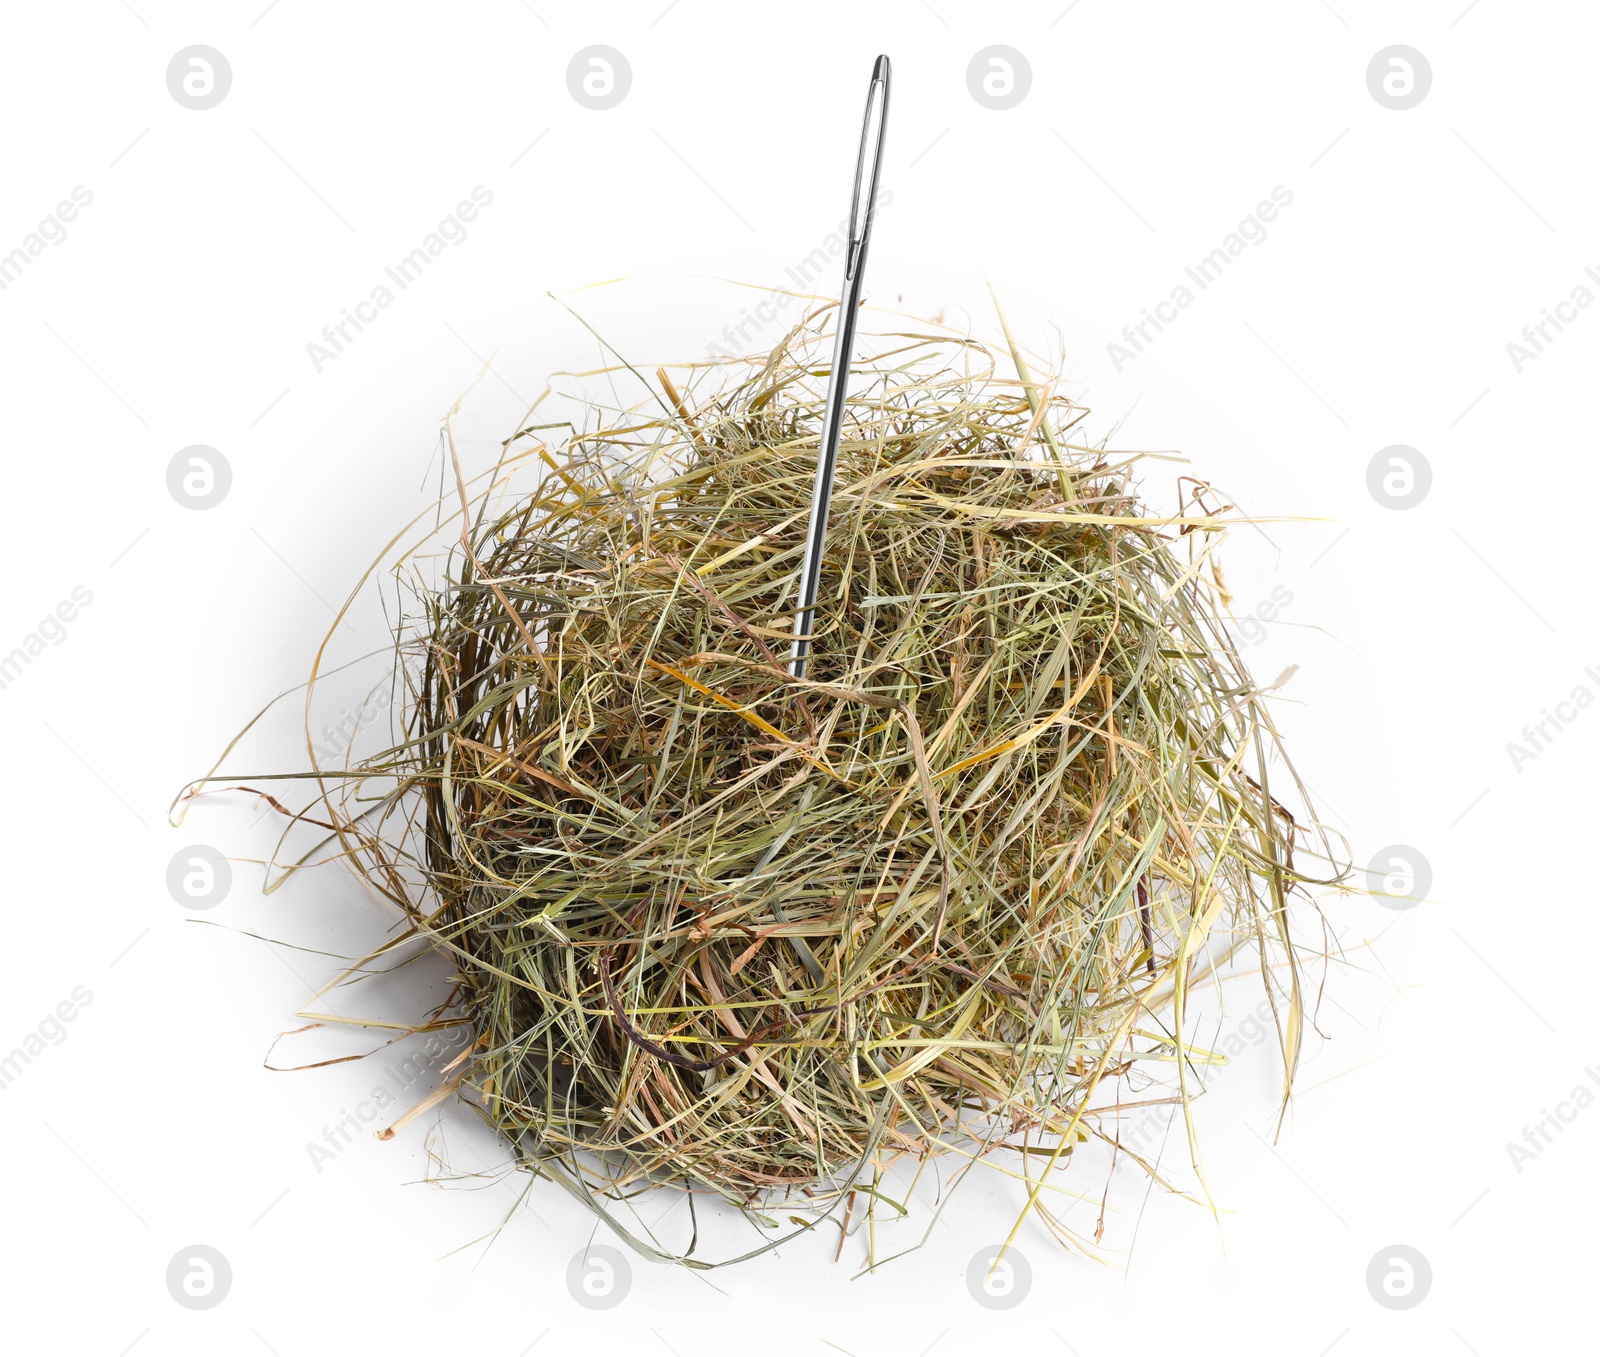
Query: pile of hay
x,y
723,929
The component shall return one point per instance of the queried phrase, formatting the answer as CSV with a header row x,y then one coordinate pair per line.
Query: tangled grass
x,y
723,929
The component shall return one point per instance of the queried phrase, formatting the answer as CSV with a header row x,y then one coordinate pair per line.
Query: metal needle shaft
x,y
863,203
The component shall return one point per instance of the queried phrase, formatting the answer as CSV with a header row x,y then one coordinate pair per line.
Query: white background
x,y
1377,311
